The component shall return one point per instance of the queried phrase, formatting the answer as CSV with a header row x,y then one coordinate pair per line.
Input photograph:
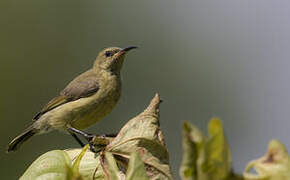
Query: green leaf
x,y
136,169
142,134
206,158
112,171
76,164
274,165
215,159
51,165
89,166
192,143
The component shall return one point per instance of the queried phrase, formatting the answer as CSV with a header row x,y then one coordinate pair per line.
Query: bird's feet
x,y
99,142
96,142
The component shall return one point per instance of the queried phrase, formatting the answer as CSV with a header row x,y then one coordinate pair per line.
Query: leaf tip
x,y
215,125
186,126
153,107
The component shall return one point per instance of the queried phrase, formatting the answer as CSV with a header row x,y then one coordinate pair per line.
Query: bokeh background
x,y
221,58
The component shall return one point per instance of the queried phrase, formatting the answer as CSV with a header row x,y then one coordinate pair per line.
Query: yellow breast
x,y
100,104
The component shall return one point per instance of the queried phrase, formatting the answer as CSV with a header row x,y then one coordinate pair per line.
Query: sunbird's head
x,y
112,58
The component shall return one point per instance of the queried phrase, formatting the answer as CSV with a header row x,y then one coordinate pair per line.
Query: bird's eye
x,y
108,53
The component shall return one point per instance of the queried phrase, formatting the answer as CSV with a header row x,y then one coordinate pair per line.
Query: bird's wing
x,y
83,86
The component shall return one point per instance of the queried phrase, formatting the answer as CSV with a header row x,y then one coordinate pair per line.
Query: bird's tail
x,y
17,141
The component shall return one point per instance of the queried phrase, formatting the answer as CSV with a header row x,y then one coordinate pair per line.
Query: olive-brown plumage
x,y
85,100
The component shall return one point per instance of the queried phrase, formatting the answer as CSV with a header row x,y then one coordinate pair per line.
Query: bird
x,y
84,101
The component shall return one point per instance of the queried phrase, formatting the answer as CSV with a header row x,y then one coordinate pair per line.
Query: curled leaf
x,y
111,170
206,158
51,165
76,164
142,134
192,143
89,165
215,160
136,169
274,165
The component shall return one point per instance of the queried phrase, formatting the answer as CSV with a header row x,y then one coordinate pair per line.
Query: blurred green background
x,y
224,58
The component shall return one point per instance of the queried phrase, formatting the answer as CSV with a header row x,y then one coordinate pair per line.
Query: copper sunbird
x,y
85,100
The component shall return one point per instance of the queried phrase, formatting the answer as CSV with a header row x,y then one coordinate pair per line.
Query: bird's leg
x,y
77,139
95,141
112,135
87,136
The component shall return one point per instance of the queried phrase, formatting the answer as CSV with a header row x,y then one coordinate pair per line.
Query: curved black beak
x,y
125,50
129,48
